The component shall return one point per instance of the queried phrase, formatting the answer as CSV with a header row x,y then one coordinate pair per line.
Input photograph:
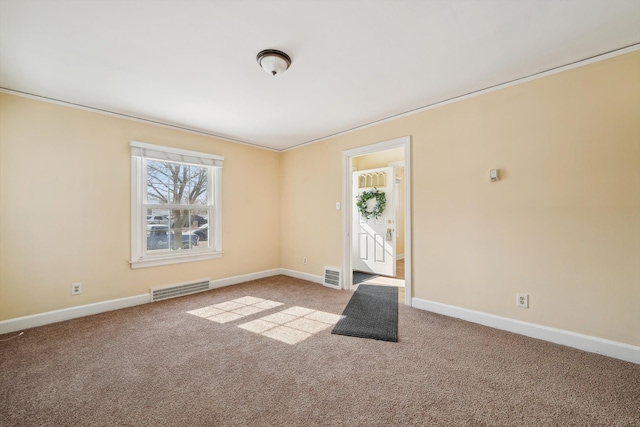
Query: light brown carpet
x,y
158,365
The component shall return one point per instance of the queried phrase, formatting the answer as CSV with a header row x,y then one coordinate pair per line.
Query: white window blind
x,y
157,152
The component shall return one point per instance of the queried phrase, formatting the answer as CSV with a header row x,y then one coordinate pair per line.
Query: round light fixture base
x,y
273,61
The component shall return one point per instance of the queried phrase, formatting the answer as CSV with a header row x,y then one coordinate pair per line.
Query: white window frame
x,y
140,153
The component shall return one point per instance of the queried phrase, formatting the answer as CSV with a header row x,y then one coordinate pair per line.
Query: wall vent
x,y
158,294
332,277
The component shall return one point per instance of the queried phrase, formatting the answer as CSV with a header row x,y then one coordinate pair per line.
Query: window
x,y
175,205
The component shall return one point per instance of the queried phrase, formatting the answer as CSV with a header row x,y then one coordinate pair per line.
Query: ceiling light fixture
x,y
273,61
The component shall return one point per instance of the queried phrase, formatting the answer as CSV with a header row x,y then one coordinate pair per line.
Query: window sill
x,y
154,262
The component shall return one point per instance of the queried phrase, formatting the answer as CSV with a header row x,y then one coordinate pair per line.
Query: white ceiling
x,y
192,63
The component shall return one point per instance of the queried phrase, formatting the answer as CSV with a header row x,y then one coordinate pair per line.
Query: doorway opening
x,y
377,243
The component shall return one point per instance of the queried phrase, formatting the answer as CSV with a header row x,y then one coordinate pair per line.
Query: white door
x,y
374,239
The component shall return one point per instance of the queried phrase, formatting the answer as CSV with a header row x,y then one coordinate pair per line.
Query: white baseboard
x,y
627,352
40,319
304,276
26,322
234,280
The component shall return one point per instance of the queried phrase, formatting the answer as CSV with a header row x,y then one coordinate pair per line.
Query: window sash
x,y
164,252
210,183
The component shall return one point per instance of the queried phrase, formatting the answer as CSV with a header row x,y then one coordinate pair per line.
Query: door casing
x,y
347,198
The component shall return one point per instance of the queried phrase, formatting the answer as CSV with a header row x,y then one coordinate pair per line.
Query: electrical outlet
x,y
76,288
304,260
522,300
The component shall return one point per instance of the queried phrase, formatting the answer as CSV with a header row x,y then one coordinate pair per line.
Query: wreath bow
x,y
378,208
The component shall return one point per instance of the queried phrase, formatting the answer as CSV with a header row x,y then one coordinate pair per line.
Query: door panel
x,y
374,240
380,249
363,246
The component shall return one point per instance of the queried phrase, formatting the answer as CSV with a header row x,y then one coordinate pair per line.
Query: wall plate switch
x,y
522,300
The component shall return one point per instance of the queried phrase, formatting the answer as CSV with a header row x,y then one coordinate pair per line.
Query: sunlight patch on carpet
x,y
238,308
290,326
293,325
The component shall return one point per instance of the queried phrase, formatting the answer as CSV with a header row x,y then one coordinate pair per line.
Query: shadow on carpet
x,y
372,312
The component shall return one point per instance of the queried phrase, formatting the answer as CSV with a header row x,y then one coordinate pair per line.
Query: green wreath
x,y
381,202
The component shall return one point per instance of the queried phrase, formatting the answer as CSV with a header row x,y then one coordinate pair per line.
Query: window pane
x,y
177,181
180,219
158,182
196,186
182,238
200,226
157,237
158,216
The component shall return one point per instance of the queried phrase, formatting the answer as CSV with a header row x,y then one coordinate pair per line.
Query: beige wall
x,y
65,207
562,225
